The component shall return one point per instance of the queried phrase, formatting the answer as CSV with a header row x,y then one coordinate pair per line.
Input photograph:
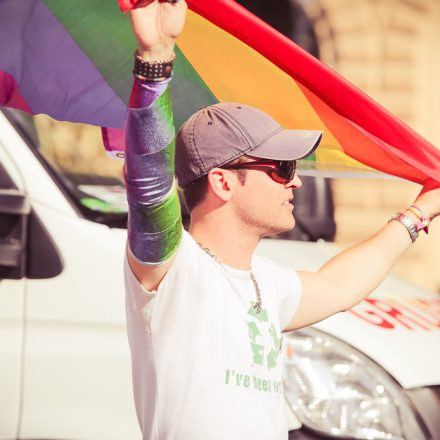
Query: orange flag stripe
x,y
241,74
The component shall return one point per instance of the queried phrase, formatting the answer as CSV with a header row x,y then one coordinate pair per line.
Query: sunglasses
x,y
281,171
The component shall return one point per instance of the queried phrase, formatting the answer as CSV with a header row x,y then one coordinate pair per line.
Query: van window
x,y
75,157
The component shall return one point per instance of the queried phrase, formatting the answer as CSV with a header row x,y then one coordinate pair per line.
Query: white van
x,y
370,373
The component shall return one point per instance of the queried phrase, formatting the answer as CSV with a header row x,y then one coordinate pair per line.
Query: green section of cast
x,y
156,218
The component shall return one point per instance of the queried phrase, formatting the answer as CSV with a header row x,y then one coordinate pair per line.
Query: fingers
x,y
177,3
429,199
142,3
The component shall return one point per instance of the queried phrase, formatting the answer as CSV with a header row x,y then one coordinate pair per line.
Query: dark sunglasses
x,y
282,171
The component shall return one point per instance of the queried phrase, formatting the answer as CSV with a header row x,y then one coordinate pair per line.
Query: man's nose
x,y
295,182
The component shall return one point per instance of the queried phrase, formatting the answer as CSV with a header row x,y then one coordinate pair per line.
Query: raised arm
x,y
353,274
154,222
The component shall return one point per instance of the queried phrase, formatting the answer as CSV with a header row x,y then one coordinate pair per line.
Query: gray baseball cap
x,y
220,133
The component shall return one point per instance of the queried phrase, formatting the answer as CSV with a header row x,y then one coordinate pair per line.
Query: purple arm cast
x,y
154,221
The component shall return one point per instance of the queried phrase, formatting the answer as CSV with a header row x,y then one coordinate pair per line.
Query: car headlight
x,y
336,390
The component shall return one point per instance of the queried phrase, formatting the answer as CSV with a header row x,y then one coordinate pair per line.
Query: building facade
x,y
389,49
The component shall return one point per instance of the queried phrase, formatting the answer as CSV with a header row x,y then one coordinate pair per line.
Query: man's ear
x,y
221,183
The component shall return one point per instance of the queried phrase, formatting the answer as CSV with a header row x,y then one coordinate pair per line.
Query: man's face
x,y
265,205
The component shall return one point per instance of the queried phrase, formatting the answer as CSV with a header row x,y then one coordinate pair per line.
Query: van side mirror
x,y
14,212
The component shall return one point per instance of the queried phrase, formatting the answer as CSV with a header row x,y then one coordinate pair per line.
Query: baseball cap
x,y
220,133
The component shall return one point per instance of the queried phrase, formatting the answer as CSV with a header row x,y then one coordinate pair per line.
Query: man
x,y
204,314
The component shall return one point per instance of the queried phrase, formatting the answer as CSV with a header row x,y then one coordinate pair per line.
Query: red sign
x,y
393,312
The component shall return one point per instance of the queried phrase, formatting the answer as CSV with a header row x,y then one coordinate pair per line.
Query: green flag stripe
x,y
104,35
188,91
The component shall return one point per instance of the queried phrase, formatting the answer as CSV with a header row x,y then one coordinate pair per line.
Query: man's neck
x,y
229,242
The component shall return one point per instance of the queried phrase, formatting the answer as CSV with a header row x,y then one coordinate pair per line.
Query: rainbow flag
x,y
74,63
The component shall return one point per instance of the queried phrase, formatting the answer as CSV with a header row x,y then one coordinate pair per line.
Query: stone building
x,y
389,49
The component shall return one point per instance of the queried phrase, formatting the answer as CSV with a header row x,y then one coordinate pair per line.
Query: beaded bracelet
x,y
152,71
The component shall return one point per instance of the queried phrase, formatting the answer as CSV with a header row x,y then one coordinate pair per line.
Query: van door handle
x,y
13,201
14,211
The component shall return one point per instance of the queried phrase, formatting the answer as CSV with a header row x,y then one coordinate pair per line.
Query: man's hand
x,y
156,25
428,200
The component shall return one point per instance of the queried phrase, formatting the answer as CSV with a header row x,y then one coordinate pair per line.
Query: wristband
x,y
409,225
424,221
152,71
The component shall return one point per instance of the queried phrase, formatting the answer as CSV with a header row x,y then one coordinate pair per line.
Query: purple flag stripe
x,y
36,51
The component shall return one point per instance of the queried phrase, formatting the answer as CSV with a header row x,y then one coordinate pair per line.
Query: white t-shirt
x,y
205,366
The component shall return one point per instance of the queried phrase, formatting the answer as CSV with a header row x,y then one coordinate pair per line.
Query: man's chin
x,y
280,228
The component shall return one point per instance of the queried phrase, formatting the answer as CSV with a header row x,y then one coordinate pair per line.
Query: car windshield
x,y
93,181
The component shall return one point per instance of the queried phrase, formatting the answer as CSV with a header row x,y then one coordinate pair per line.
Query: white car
x,y
369,373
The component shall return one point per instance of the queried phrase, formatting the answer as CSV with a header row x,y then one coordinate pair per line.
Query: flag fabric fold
x,y
74,63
